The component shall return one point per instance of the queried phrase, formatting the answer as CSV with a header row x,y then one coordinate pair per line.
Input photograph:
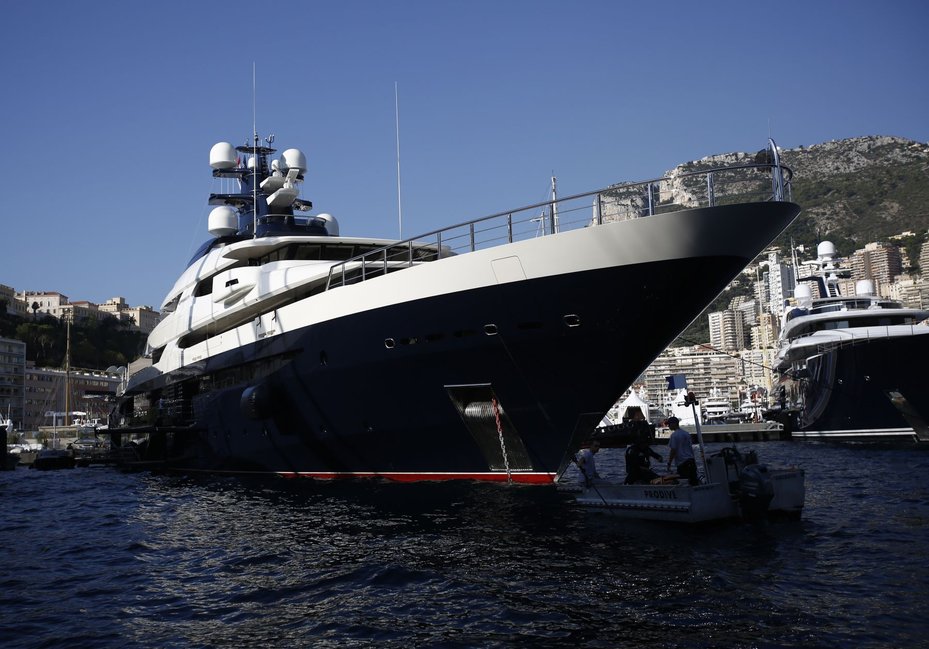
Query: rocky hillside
x,y
852,191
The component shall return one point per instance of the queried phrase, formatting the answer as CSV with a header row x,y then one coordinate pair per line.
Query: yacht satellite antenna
x,y
254,159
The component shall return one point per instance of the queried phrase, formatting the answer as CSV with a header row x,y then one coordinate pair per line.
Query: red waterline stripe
x,y
521,477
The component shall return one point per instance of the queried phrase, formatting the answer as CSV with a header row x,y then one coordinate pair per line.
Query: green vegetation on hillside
x,y
94,345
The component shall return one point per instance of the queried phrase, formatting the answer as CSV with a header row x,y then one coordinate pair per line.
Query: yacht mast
x,y
68,375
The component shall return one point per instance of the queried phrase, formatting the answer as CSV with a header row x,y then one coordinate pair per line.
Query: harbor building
x,y
12,380
91,391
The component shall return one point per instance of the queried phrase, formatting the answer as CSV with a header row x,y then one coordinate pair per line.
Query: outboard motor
x,y
757,491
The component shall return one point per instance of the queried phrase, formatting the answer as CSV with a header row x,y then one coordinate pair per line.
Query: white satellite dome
x,y
222,156
293,159
825,249
223,221
864,287
804,295
332,225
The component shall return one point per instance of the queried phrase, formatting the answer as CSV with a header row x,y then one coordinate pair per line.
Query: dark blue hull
x,y
427,389
870,391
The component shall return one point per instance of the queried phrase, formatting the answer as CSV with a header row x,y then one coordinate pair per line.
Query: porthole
x,y
572,320
490,329
390,343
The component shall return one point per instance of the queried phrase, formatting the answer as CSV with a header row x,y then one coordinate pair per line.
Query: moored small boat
x,y
50,459
736,486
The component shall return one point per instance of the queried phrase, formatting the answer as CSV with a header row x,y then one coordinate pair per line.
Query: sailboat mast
x,y
68,376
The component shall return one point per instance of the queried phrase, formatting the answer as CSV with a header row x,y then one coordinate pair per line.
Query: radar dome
x,y
332,225
222,156
825,249
864,287
222,221
293,159
803,294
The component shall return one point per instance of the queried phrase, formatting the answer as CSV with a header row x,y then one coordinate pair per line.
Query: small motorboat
x,y
735,486
50,459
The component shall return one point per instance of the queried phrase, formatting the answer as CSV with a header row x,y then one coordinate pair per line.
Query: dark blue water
x,y
98,558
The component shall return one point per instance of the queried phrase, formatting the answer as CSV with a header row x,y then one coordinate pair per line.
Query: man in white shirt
x,y
587,464
682,452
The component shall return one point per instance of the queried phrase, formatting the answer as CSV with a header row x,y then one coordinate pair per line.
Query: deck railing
x,y
747,183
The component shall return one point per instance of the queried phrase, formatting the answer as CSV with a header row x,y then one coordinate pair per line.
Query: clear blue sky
x,y
110,109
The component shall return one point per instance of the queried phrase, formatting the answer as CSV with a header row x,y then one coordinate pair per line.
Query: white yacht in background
x,y
479,351
717,408
854,363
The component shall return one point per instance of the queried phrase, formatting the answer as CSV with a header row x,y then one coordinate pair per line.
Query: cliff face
x,y
852,191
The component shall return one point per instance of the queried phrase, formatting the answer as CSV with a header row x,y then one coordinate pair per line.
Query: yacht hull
x,y
418,376
870,391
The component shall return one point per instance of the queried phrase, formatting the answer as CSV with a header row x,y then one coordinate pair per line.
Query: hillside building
x,y
8,297
57,305
47,302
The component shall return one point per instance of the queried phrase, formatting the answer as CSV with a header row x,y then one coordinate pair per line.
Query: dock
x,y
762,431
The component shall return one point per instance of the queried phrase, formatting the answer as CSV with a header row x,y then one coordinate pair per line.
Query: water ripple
x,y
97,558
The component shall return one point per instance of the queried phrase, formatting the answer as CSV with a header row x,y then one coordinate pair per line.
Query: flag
x,y
676,381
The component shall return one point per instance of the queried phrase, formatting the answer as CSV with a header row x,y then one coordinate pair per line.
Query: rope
x,y
506,461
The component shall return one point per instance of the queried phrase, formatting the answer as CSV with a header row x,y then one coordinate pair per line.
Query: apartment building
x,y
12,380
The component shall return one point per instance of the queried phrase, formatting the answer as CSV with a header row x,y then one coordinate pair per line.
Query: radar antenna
x,y
254,158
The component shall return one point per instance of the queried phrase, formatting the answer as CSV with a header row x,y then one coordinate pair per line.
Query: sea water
x,y
98,558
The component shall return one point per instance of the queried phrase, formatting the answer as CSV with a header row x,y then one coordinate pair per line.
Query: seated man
x,y
638,465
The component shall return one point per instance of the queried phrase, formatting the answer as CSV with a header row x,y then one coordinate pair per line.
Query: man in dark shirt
x,y
638,465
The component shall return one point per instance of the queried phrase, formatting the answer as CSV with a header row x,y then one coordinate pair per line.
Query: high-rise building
x,y
879,261
764,334
781,281
924,274
727,330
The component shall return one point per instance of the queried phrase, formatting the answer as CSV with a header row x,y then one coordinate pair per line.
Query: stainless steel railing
x,y
746,183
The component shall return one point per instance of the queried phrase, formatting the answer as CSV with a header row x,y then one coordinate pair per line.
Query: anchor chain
x,y
506,461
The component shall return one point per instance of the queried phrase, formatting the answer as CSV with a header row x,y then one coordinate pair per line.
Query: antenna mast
x,y
254,159
397,113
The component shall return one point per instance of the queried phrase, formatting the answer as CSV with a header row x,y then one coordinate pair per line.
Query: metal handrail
x,y
622,201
